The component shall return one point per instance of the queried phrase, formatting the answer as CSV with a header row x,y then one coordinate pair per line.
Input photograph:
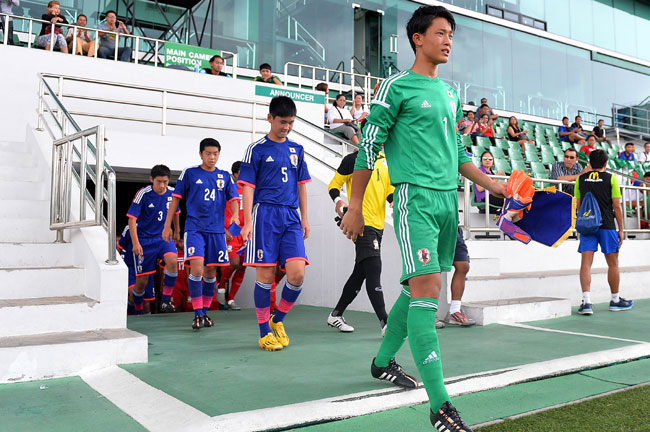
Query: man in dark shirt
x,y
577,127
605,189
599,131
266,75
216,66
566,133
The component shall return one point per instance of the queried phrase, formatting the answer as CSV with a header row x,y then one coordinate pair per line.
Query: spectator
x,y
599,131
85,43
6,7
487,161
628,154
632,194
359,111
341,119
568,170
266,75
45,37
567,134
518,135
645,155
465,123
216,66
484,108
590,146
325,89
577,127
605,189
483,128
107,46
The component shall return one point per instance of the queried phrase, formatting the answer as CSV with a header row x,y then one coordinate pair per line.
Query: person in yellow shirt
x,y
367,264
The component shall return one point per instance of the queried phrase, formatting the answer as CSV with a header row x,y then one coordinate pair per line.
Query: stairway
x,y
58,317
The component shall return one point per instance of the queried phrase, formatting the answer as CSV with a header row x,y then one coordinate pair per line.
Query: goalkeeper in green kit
x,y
414,115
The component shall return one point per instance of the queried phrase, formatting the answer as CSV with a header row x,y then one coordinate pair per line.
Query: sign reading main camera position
x,y
187,55
299,96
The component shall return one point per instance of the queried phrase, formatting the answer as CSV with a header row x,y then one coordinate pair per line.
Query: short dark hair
x,y
571,150
565,118
577,117
235,167
423,17
338,96
266,66
591,136
209,142
160,171
110,11
214,57
647,174
282,106
627,144
322,87
598,159
82,15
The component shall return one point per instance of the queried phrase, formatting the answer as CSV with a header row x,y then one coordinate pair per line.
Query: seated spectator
x,y
644,156
484,108
266,75
85,43
518,135
568,170
567,134
216,66
359,111
465,123
590,146
577,127
45,37
6,7
483,128
107,45
325,89
599,131
628,154
487,161
341,119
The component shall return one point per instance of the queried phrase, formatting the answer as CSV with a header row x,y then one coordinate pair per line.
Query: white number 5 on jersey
x,y
285,177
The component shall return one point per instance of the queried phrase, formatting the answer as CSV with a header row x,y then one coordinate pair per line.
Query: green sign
x,y
187,55
296,95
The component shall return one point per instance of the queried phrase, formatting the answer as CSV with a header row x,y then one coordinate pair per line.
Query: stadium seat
x,y
519,164
531,155
497,153
515,153
483,141
566,145
503,144
538,168
466,140
476,160
548,158
502,165
530,148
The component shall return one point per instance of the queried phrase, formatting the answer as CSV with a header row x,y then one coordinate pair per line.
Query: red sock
x,y
274,305
237,280
226,273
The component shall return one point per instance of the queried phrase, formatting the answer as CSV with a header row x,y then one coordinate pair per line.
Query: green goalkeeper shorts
x,y
426,224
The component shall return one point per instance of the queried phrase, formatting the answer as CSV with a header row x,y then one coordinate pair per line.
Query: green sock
x,y
396,329
425,348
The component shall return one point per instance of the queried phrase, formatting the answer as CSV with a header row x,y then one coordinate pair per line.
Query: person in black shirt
x,y
46,37
216,66
599,131
605,189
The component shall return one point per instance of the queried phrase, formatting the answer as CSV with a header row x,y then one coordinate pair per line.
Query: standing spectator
x,y
517,135
341,119
456,316
465,123
644,156
45,37
107,46
590,146
487,161
266,75
85,43
599,131
325,89
604,187
567,134
359,111
568,170
484,108
628,154
6,7
577,127
216,66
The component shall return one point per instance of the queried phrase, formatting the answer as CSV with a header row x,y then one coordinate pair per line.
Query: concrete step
x,y
517,310
27,230
53,355
36,255
16,190
33,316
485,266
10,158
25,209
14,147
17,173
34,282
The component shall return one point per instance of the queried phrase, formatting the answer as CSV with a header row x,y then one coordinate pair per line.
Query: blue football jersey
x,y
275,170
150,210
206,195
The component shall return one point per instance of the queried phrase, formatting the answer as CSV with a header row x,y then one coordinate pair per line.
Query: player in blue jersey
x,y
147,215
124,246
206,190
274,169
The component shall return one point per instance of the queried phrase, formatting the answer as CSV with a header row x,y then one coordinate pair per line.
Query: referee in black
x,y
367,265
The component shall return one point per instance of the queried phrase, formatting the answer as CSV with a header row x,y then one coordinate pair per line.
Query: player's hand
x,y
338,208
167,234
228,236
352,224
137,249
305,229
621,237
499,189
235,219
247,231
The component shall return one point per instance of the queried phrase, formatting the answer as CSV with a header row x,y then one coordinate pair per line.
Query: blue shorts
x,y
461,253
211,247
277,237
153,248
149,291
606,238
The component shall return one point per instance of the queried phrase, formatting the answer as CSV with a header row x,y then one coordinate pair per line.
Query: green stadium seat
x,y
515,153
476,150
530,148
502,165
518,164
497,152
476,160
531,155
502,144
566,145
466,140
483,141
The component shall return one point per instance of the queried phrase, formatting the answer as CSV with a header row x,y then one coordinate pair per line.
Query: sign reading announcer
x,y
299,96
187,55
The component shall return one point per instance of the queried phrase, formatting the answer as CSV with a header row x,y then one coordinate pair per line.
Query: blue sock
x,y
290,294
168,285
196,292
209,285
262,297
138,302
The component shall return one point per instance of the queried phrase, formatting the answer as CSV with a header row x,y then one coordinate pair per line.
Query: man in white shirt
x,y
644,156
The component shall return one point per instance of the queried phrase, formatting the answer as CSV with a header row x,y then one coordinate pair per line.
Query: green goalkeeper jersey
x,y
415,117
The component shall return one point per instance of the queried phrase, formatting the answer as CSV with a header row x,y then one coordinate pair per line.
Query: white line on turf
x,y
529,327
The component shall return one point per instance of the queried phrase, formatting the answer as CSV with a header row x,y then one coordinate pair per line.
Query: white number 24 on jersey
x,y
209,194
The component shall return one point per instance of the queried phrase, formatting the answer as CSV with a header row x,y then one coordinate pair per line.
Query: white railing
x,y
138,55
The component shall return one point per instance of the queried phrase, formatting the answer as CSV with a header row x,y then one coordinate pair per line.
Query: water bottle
x,y
197,67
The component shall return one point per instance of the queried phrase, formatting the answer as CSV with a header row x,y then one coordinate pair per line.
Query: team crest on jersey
x,y
190,250
294,159
292,150
139,269
424,255
229,248
450,94
260,254
220,184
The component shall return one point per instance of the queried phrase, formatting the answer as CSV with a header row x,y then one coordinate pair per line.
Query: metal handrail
x,y
157,43
64,156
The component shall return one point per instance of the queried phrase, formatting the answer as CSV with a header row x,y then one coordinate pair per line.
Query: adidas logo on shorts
x,y
425,104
